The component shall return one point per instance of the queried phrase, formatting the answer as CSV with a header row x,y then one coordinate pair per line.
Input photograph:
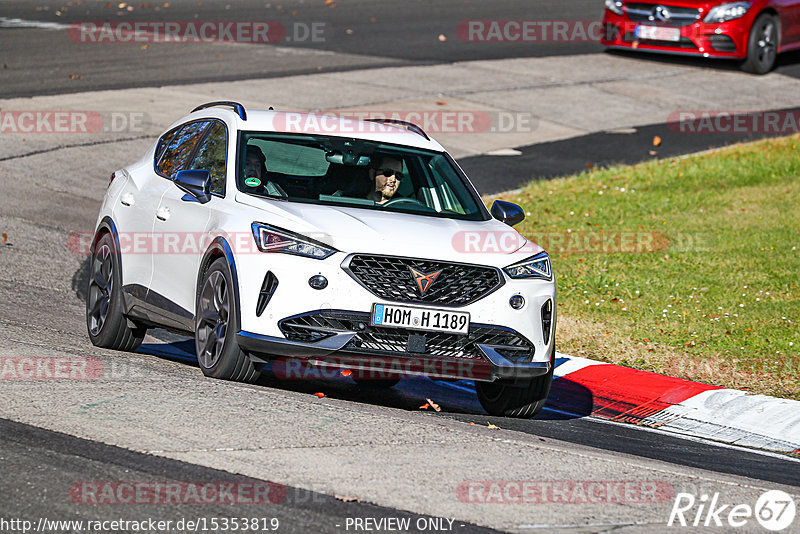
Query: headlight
x,y
271,239
535,267
725,12
615,6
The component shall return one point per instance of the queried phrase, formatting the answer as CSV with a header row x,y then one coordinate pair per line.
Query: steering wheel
x,y
405,200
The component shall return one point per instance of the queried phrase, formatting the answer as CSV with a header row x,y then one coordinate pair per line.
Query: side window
x,y
179,149
211,156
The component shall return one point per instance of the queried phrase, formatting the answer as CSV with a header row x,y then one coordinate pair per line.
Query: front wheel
x,y
509,400
216,324
762,45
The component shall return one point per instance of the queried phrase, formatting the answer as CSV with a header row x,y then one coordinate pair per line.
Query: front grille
x,y
393,341
678,16
390,278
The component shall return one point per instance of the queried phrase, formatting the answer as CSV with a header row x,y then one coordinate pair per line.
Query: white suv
x,y
332,243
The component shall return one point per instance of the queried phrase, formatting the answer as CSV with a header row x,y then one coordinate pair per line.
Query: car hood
x,y
362,230
684,3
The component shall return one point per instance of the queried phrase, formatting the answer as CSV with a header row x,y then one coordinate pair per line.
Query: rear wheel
x,y
216,324
107,326
510,400
762,45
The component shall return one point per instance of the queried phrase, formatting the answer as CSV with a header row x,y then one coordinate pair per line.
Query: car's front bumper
x,y
717,40
336,352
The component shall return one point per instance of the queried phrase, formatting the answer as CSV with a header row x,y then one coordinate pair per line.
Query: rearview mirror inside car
x,y
348,158
507,212
197,183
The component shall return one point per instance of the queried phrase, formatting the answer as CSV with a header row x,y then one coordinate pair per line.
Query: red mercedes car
x,y
753,32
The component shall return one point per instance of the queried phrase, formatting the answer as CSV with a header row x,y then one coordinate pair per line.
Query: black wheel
x,y
107,327
218,354
508,400
762,46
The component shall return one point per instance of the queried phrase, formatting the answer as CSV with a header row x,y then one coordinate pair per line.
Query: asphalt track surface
x,y
41,292
459,402
495,174
29,493
357,34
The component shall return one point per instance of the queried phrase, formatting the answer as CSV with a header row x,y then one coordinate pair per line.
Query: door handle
x,y
162,214
127,199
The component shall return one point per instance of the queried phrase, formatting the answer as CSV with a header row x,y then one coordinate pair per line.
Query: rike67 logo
x,y
774,510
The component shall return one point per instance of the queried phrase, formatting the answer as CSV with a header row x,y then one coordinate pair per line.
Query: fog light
x,y
516,302
318,282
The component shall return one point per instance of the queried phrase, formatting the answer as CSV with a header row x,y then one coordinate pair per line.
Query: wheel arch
x,y
770,10
107,226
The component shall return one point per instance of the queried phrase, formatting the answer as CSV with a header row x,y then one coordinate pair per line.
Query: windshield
x,y
357,173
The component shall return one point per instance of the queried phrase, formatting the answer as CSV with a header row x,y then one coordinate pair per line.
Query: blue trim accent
x,y
226,248
108,223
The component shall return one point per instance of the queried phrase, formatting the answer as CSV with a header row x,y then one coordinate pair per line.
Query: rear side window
x,y
180,147
211,156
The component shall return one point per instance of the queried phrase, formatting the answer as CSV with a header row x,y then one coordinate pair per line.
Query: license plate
x,y
657,33
420,318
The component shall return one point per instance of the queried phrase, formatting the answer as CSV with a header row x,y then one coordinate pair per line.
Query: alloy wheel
x,y
212,320
766,44
101,285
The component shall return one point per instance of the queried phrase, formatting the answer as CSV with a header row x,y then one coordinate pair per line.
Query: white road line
x,y
21,23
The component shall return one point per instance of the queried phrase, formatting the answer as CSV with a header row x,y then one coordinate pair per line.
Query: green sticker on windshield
x,y
252,182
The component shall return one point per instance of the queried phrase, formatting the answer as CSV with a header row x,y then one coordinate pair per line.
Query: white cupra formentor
x,y
291,239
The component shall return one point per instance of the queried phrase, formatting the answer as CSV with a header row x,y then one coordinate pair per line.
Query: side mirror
x,y
507,212
197,183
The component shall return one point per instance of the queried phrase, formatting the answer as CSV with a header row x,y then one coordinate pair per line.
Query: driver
x,y
255,164
385,179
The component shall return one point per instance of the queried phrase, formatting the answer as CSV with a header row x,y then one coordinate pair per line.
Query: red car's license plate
x,y
658,33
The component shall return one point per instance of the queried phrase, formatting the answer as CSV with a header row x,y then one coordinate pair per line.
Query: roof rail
x,y
237,107
408,126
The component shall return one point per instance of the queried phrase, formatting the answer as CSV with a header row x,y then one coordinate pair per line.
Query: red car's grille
x,y
665,16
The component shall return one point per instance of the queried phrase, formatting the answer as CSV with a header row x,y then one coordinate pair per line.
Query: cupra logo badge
x,y
424,281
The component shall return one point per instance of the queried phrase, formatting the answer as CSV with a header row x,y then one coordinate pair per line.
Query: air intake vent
x,y
547,320
267,290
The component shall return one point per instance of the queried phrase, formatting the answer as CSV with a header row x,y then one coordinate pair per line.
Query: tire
x,y
504,399
762,45
216,324
107,326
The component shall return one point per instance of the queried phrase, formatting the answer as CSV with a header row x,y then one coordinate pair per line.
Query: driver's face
x,y
252,166
387,185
